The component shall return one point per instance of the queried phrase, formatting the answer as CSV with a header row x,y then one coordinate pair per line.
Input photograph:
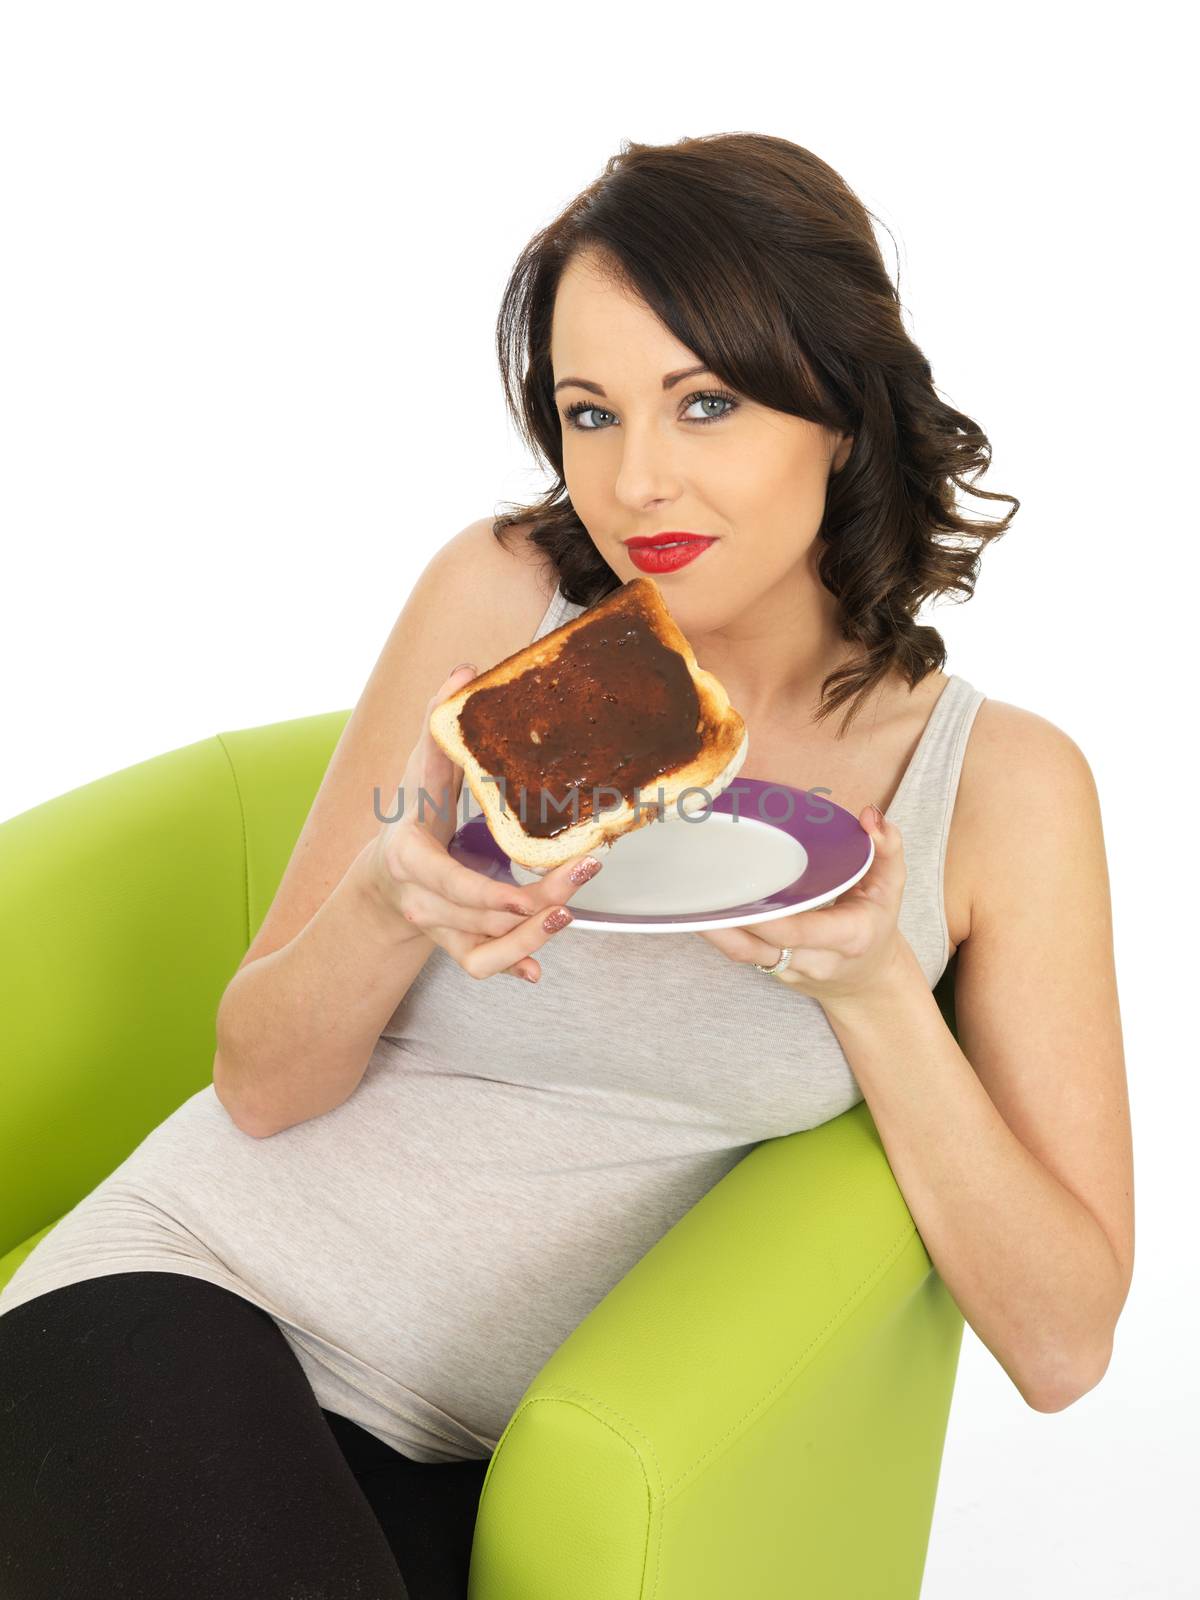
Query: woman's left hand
x,y
839,950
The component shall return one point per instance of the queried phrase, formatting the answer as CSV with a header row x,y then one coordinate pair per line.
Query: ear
x,y
842,454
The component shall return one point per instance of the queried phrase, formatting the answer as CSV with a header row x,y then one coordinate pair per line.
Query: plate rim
x,y
500,864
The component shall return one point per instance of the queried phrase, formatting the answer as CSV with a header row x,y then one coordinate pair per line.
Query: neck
x,y
774,657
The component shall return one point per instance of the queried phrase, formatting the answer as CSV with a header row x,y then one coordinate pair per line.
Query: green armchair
x,y
758,1408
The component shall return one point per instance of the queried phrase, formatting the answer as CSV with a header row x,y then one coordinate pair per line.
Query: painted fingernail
x,y
519,911
583,870
557,919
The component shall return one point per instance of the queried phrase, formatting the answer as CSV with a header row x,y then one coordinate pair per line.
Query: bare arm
x,y
1012,1147
334,956
297,1027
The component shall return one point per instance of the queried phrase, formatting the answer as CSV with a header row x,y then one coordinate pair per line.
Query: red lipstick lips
x,y
665,552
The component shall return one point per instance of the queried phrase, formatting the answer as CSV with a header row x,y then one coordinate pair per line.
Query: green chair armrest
x,y
125,909
757,1408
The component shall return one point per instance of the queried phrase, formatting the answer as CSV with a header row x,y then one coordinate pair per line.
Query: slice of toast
x,y
593,731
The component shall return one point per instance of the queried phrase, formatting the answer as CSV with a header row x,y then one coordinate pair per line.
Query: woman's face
x,y
641,457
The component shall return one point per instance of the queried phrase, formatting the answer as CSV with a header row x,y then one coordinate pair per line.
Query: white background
x,y
251,261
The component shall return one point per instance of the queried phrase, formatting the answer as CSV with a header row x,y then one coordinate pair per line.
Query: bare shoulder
x,y
1023,779
1004,734
474,600
506,583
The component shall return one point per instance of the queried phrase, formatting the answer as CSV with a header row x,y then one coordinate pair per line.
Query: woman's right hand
x,y
488,927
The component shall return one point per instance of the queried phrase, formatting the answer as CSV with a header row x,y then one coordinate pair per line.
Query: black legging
x,y
158,1437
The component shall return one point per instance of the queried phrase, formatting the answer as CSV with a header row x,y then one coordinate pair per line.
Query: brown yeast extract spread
x,y
613,711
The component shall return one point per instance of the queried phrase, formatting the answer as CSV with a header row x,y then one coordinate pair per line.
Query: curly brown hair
x,y
759,258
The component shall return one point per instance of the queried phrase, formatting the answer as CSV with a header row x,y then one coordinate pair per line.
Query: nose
x,y
647,475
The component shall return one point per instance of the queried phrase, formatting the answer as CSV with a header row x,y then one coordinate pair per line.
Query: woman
x,y
403,1190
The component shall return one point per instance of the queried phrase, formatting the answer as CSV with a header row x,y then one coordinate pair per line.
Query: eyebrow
x,y
668,382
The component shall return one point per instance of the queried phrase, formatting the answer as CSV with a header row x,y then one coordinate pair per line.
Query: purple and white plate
x,y
761,851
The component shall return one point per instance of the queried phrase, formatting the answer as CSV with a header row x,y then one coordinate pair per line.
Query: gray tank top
x,y
511,1151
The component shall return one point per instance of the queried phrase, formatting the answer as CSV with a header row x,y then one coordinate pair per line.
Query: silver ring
x,y
785,957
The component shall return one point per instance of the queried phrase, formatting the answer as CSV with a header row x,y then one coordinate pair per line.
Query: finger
x,y
825,928
556,888
528,970
741,944
436,868
558,885
425,862
829,928
429,909
885,878
439,776
483,958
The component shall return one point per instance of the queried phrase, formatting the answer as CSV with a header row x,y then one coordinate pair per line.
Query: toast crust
x,y
548,724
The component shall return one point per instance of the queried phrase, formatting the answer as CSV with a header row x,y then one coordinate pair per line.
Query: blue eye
x,y
573,412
